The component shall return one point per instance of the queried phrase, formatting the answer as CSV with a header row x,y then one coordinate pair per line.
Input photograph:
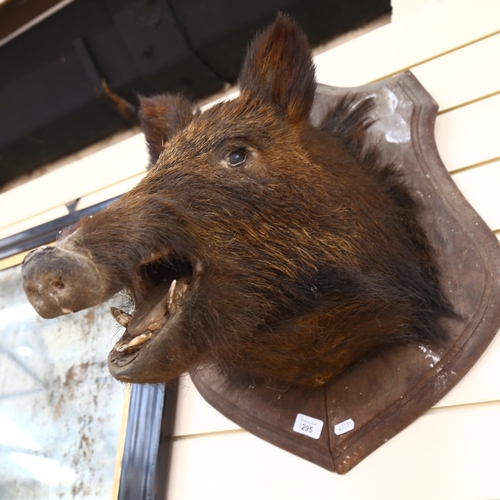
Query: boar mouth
x,y
158,293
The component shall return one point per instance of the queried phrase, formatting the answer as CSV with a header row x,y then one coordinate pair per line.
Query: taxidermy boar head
x,y
272,249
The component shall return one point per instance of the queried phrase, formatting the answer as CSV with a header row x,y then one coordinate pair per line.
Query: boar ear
x,y
160,117
279,68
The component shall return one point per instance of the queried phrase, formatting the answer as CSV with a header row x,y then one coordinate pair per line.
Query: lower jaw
x,y
152,315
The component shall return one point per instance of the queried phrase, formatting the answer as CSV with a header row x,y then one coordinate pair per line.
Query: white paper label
x,y
308,426
343,427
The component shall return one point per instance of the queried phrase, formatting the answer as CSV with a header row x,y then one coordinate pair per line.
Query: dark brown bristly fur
x,y
304,253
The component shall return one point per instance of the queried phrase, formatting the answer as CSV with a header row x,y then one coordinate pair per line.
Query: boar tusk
x,y
120,316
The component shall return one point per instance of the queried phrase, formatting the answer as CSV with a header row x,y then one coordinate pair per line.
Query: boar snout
x,y
59,281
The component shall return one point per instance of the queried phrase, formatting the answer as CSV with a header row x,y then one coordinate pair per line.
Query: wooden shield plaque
x,y
338,425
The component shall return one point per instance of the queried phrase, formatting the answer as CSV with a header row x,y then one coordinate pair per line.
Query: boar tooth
x,y
181,288
140,339
153,327
171,291
176,291
152,310
121,347
120,316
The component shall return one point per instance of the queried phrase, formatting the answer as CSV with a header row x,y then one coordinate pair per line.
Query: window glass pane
x,y
60,409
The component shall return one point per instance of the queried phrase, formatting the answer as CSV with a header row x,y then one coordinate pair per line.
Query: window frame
x,y
145,454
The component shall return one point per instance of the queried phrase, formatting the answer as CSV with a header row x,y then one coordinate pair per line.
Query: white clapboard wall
x,y
453,451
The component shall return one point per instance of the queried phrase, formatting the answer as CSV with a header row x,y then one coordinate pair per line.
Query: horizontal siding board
x,y
469,135
109,192
424,35
445,455
482,382
194,415
36,220
465,75
104,168
480,186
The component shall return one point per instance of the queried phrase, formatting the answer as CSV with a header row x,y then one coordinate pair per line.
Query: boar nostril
x,y
58,284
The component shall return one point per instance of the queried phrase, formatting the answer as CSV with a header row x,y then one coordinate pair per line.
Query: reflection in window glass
x,y
60,409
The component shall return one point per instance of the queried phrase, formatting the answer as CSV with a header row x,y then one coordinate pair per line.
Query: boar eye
x,y
237,158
